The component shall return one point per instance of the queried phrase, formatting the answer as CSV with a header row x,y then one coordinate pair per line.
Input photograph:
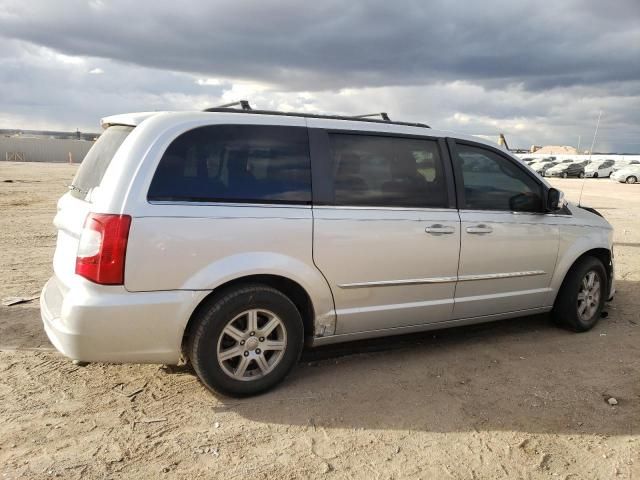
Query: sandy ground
x,y
513,399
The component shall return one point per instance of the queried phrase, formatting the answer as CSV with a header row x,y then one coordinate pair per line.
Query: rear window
x,y
97,160
236,163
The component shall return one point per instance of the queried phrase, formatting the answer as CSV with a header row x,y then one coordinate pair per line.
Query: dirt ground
x,y
512,399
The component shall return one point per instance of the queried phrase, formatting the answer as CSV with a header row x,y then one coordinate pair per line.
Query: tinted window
x,y
236,163
97,160
387,171
492,182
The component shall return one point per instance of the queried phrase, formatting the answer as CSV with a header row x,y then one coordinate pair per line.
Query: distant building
x,y
44,146
555,150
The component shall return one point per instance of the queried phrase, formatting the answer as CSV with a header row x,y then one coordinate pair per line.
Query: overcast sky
x,y
539,72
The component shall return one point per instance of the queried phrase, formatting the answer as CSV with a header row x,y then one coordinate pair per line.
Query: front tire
x,y
246,341
595,175
564,175
581,175
632,179
581,298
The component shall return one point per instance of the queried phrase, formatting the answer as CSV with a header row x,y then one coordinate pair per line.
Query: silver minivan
x,y
232,238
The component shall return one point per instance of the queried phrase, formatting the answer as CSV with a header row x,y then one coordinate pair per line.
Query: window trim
x,y
322,167
452,144
212,201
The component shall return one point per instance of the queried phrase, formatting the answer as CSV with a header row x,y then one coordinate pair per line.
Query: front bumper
x,y
95,323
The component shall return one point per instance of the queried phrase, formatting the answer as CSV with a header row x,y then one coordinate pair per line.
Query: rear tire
x,y
246,341
595,175
581,298
581,175
564,175
632,179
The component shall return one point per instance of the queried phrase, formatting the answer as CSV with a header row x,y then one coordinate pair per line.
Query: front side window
x,y
384,171
492,182
236,163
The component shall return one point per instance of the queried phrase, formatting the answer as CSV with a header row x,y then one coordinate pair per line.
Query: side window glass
x,y
371,170
236,163
491,182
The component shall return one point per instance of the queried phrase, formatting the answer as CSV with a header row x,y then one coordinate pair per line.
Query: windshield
x,y
97,160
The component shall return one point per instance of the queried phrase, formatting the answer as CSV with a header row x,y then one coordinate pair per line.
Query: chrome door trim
x,y
418,281
493,276
390,283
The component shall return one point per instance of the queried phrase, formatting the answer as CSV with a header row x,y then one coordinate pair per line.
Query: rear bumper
x,y
94,323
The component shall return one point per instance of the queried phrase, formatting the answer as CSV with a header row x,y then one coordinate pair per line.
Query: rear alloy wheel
x,y
581,175
564,175
632,179
246,341
581,298
251,345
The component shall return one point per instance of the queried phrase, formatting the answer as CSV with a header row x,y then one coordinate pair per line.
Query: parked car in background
x,y
629,174
542,167
542,170
603,168
624,164
565,170
231,239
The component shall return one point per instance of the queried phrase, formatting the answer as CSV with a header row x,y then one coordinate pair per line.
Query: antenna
x,y
593,142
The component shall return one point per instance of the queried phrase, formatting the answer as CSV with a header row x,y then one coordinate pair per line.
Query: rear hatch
x,y
74,206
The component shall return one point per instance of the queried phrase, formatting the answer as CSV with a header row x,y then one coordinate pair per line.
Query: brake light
x,y
102,248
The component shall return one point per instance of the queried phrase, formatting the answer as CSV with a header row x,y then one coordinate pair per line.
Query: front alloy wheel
x,y
589,296
632,179
582,295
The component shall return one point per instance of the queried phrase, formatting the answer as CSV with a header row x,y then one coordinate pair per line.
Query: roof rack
x,y
246,108
244,104
383,115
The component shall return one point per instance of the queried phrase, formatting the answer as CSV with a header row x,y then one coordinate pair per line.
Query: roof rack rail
x,y
244,105
360,118
383,115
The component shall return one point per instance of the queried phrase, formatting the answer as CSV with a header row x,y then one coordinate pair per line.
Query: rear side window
x,y
491,182
382,171
236,163
97,160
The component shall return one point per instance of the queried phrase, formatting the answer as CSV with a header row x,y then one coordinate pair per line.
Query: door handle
x,y
439,229
479,229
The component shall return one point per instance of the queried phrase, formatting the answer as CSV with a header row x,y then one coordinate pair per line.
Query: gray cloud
x,y
336,44
537,72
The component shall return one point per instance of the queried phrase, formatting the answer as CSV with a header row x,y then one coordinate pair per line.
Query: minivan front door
x,y
508,246
385,235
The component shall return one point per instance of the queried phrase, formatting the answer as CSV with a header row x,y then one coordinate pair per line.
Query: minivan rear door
x,y
74,206
386,233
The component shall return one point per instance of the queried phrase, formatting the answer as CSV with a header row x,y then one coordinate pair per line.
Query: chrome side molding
x,y
420,281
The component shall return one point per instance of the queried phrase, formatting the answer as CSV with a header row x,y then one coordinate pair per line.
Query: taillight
x,y
102,248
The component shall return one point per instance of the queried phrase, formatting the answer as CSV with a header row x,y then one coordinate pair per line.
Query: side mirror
x,y
555,200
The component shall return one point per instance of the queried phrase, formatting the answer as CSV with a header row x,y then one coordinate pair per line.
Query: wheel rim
x,y
251,345
589,296
631,180
564,175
